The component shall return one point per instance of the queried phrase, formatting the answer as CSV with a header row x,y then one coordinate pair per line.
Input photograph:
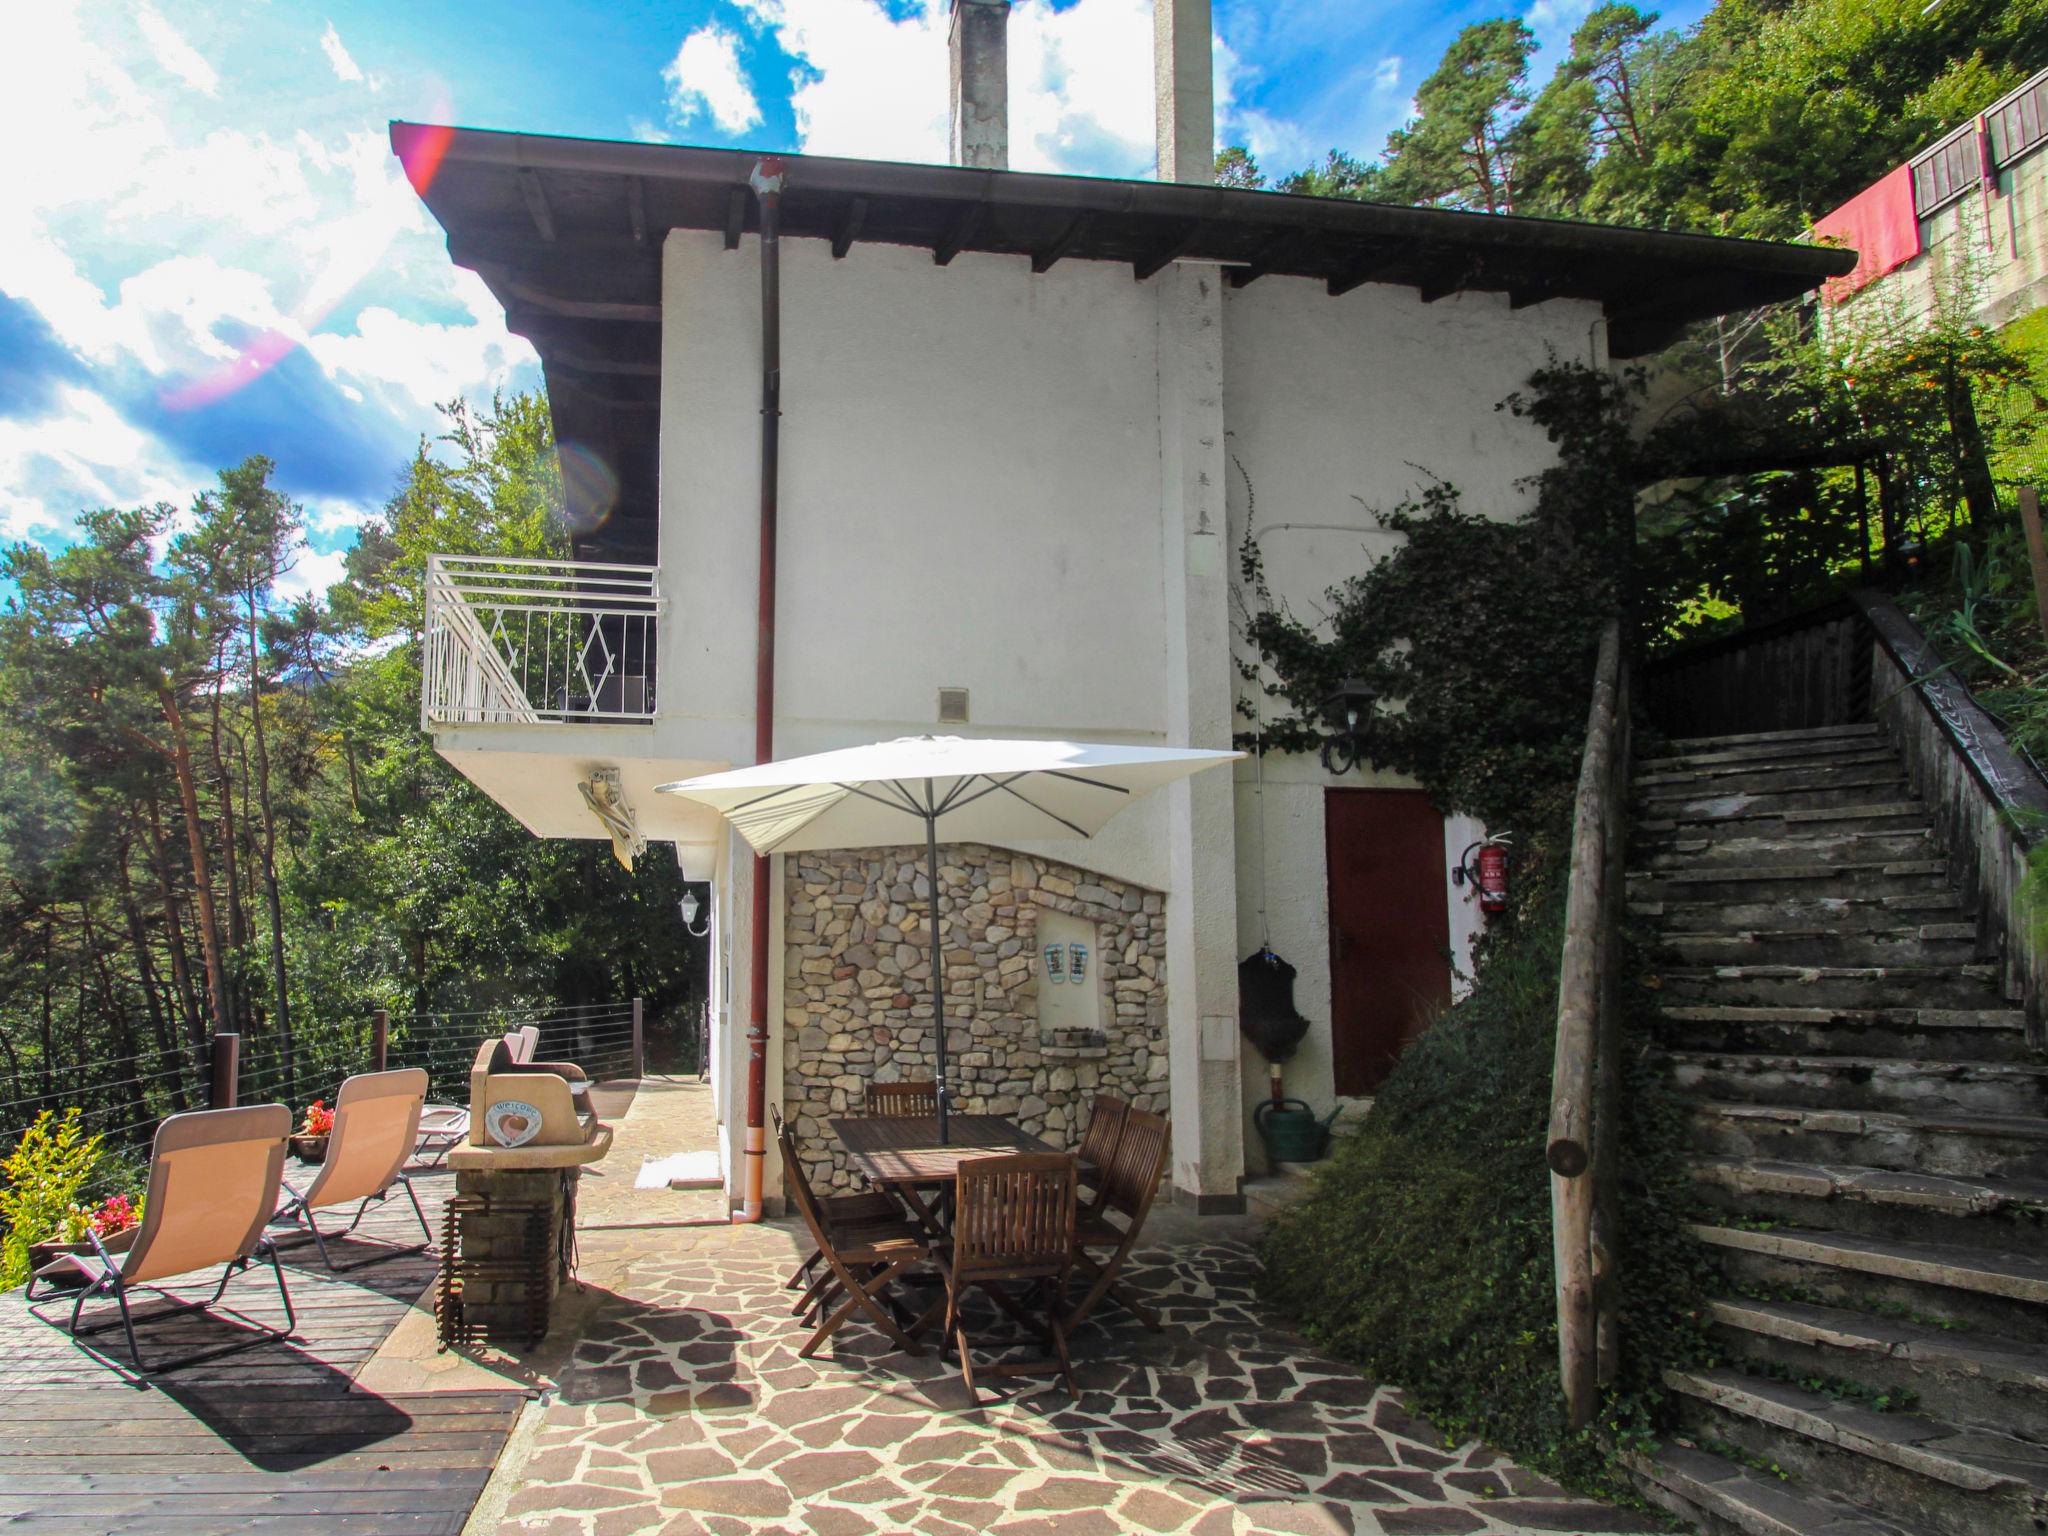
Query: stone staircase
x,y
1870,1149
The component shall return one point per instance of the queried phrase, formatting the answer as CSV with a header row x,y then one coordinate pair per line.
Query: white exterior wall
x,y
1336,409
1028,486
970,453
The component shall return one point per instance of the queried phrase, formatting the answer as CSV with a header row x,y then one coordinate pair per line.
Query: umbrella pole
x,y
931,871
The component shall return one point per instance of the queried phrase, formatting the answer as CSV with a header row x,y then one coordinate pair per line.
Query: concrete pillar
x,y
980,119
1201,906
1184,90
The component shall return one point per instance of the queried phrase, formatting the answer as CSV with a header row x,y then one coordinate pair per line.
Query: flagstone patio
x,y
685,1409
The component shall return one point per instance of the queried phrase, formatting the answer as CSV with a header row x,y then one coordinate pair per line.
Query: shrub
x,y
44,1176
1423,1249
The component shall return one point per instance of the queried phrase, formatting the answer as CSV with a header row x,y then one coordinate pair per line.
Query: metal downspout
x,y
766,180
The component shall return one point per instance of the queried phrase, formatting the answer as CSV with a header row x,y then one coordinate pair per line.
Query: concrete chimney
x,y
981,84
1184,90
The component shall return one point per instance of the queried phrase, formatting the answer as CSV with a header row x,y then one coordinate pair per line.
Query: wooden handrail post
x,y
639,1042
224,1071
1571,1093
2037,550
380,1040
1580,1133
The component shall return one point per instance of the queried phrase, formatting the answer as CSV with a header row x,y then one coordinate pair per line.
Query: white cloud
x,y
868,86
1081,87
876,86
426,362
177,246
80,452
312,572
1386,74
1553,22
174,54
346,70
705,79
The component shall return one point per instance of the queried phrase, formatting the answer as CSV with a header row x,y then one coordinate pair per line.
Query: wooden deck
x,y
278,1433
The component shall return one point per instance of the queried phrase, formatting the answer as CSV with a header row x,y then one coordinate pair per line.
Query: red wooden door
x,y
1390,927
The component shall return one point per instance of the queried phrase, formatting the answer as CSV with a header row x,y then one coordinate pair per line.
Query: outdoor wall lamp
x,y
689,909
1348,712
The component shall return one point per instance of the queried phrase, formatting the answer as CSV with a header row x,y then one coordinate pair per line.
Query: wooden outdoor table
x,y
902,1152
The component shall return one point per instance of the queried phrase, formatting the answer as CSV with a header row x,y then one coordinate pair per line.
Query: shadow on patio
x,y
685,1409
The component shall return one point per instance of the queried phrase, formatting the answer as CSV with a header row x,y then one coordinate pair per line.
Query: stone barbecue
x,y
857,1004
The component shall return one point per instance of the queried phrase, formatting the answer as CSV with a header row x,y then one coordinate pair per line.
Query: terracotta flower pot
x,y
310,1149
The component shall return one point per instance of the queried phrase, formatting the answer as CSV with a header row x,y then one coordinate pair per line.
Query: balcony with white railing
x,y
527,642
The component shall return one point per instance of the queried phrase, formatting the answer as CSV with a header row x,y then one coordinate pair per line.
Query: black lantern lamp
x,y
1348,713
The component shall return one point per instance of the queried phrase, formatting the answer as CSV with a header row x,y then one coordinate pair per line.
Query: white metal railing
x,y
526,641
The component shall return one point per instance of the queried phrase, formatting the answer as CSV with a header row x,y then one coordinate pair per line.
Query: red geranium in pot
x,y
310,1144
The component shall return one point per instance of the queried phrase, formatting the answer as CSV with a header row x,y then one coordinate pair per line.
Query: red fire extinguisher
x,y
1487,873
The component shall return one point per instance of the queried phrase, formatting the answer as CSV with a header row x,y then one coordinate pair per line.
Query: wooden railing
x,y
1585,1075
1803,671
1989,805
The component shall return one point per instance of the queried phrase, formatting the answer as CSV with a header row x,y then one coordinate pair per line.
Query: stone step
x,y
1834,986
1944,1034
1999,1214
1844,881
1963,1146
1802,733
1923,945
1898,1084
1807,846
2000,1294
1966,1378
1811,791
1748,778
1725,1498
1964,1482
1795,750
1837,914
1718,822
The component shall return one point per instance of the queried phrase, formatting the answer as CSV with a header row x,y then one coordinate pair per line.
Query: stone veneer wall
x,y
857,1007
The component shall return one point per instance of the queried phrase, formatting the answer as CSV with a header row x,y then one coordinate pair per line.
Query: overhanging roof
x,y
567,233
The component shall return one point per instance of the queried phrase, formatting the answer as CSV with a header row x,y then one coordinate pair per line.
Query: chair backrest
x,y
1014,1214
800,1192
1105,1127
214,1176
913,1098
1132,1177
376,1127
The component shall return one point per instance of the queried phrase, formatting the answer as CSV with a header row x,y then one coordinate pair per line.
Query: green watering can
x,y
1291,1131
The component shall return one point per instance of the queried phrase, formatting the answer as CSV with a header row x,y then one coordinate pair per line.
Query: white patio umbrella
x,y
948,787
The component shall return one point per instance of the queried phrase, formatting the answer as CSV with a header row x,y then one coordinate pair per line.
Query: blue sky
x,y
207,251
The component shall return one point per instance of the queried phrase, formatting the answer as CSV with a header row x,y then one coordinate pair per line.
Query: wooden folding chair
x,y
1098,1145
1013,1222
861,1264
214,1175
1128,1187
843,1213
911,1098
376,1128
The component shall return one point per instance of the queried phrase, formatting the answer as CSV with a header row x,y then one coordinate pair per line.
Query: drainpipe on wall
x,y
766,181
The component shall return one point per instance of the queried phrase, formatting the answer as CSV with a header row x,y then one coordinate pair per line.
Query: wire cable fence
x,y
121,1099
118,1098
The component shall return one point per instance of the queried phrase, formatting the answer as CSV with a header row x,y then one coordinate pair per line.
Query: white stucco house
x,y
1017,418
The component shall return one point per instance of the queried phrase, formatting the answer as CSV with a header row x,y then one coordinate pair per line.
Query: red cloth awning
x,y
1879,224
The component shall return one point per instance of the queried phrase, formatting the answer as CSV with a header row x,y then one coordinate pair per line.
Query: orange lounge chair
x,y
214,1176
376,1128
